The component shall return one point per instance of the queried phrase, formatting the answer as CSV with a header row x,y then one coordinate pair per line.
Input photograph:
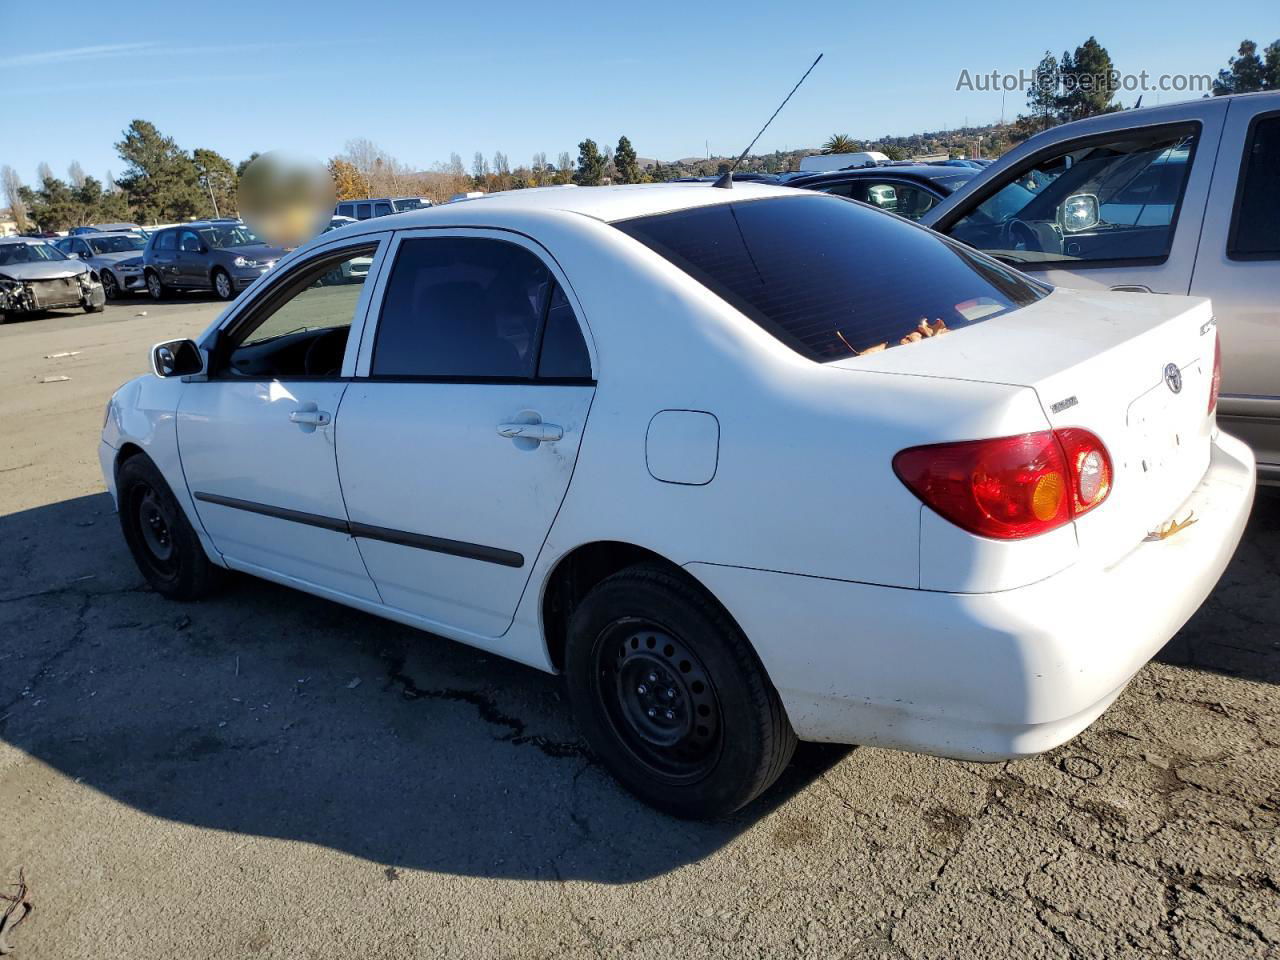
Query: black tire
x,y
222,285
671,696
94,307
164,546
155,286
110,286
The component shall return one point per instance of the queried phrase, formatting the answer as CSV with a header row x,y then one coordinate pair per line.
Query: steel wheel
x,y
660,699
155,529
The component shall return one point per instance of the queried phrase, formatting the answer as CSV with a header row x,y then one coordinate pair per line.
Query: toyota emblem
x,y
1173,377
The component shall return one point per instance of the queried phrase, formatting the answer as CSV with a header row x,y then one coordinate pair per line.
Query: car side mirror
x,y
176,358
202,249
73,256
1080,212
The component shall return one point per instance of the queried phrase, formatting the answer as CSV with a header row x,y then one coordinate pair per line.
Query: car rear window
x,y
831,278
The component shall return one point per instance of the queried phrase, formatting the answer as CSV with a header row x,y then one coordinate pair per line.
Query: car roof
x,y
607,204
28,239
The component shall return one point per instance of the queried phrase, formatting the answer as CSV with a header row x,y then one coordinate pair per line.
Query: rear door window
x,y
461,308
167,240
382,209
831,278
362,211
1255,229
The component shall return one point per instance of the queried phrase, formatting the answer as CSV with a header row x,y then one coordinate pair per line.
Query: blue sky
x,y
424,79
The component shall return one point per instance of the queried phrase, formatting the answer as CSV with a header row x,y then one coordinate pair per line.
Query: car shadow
x,y
1237,631
268,712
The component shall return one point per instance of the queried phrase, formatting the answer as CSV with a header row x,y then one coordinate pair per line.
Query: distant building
x,y
8,226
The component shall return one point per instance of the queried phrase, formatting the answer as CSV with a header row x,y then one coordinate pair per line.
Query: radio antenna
x,y
726,181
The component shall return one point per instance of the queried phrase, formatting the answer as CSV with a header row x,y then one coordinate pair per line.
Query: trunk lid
x,y
1108,362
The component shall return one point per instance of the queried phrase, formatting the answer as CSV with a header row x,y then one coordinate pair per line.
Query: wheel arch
x,y
575,573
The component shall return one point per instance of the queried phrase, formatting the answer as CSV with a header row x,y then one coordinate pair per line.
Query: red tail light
x,y
1010,488
1216,382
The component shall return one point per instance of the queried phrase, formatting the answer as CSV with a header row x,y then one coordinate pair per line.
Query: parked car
x,y
219,255
338,222
117,258
36,276
379,207
823,162
1182,198
909,191
896,494
106,228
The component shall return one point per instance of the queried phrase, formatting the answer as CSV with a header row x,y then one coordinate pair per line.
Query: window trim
x,y
262,299
988,190
1241,172
369,335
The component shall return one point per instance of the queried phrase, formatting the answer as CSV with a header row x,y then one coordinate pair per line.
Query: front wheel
x,y
162,541
671,696
222,286
109,285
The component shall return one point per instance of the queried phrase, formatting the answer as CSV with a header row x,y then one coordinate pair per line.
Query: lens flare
x,y
286,199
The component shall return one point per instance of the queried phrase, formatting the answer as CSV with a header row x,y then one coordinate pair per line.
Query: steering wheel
x,y
324,356
1036,236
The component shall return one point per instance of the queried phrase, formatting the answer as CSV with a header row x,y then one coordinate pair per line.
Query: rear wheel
x,y
671,696
154,286
223,288
162,541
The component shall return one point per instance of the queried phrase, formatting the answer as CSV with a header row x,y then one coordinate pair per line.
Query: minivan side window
x,y
473,309
1255,225
1090,202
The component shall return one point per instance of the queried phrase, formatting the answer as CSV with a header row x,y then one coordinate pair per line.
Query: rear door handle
x,y
310,418
541,432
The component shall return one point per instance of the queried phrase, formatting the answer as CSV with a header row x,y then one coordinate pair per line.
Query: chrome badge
x,y
1173,377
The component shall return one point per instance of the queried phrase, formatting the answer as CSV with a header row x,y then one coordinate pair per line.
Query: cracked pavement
x,y
192,780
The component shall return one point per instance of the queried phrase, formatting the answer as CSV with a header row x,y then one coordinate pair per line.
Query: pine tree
x,y
161,181
1042,98
590,164
1088,82
624,159
1245,72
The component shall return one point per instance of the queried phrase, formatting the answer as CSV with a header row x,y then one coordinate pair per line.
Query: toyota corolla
x,y
745,465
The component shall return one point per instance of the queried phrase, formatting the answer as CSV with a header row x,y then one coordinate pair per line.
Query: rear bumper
x,y
985,676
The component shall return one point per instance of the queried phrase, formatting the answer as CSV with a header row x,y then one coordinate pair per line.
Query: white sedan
x,y
747,465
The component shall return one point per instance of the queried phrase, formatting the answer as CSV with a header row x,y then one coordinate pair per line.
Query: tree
x,y
1271,67
161,180
57,205
1247,72
624,159
75,174
590,164
347,182
1089,82
564,167
1042,98
44,172
11,184
243,165
841,143
455,166
218,179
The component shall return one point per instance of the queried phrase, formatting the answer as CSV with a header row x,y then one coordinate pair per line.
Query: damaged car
x,y
36,276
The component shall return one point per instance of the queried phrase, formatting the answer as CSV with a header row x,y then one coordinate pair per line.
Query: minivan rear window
x,y
832,278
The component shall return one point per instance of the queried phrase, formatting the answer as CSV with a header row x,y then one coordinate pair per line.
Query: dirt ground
x,y
273,775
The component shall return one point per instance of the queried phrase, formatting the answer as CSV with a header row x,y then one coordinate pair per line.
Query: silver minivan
x,y
1182,198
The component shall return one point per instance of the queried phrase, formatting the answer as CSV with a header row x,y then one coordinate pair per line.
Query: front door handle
x,y
540,432
310,418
